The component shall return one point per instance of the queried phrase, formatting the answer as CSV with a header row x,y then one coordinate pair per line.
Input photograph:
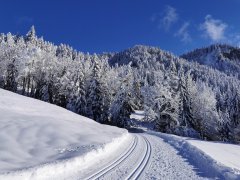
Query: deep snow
x,y
219,158
223,153
210,159
36,135
43,141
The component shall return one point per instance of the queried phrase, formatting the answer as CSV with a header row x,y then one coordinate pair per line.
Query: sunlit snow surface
x,y
34,133
139,115
213,156
42,141
226,154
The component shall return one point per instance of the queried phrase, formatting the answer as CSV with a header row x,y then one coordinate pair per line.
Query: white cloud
x,y
166,19
214,28
169,18
183,33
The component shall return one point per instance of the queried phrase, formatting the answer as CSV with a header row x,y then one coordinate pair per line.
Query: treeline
x,y
177,96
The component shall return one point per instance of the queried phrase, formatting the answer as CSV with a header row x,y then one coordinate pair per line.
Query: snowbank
x,y
216,160
38,139
224,153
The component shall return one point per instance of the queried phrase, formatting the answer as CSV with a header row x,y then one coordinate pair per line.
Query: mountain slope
x,y
140,54
225,58
33,133
179,96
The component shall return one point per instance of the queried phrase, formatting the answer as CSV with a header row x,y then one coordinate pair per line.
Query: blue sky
x,y
113,25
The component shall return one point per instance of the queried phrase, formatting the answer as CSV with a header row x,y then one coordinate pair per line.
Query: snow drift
x,y
35,135
217,160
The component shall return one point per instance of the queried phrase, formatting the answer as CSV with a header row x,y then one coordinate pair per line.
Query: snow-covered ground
x,y
139,115
153,155
38,140
42,141
214,160
211,158
223,153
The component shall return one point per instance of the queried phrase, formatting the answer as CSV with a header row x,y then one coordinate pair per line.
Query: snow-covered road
x,y
130,164
146,157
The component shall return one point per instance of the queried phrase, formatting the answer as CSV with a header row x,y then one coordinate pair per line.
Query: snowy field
x,y
37,138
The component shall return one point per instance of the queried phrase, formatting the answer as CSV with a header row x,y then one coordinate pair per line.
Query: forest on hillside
x,y
178,96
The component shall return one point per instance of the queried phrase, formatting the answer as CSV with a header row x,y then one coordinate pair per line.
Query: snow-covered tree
x,y
97,98
31,35
180,96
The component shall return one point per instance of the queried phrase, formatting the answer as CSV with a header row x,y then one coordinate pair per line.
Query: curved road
x,y
146,157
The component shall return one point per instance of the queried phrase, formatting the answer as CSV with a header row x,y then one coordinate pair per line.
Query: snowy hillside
x,y
141,54
178,96
33,133
44,141
225,58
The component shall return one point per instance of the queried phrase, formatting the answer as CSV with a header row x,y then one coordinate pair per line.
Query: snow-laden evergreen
x,y
179,96
223,57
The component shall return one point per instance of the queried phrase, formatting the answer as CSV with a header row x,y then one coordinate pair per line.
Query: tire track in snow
x,y
137,171
135,165
116,163
149,157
